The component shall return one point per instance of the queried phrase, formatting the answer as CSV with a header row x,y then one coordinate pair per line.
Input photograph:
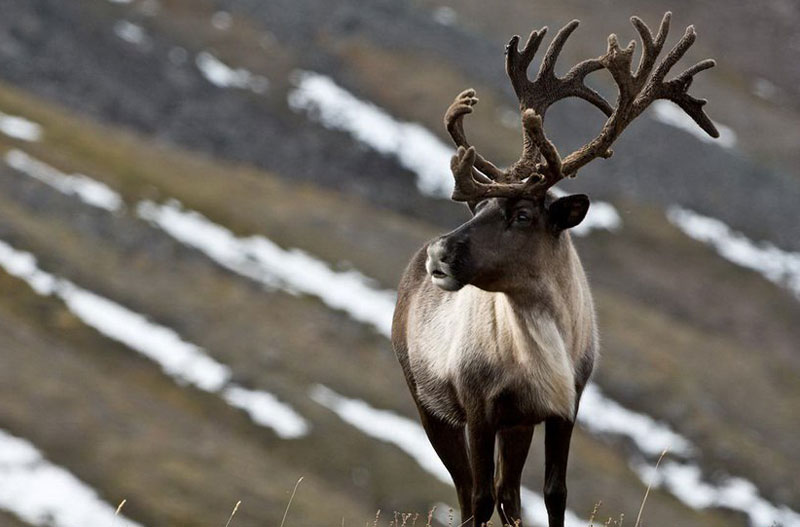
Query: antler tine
x,y
471,185
534,131
454,122
517,62
637,91
548,67
676,90
546,90
651,47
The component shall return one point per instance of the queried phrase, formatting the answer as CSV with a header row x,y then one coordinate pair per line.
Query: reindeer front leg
x,y
558,432
481,455
513,445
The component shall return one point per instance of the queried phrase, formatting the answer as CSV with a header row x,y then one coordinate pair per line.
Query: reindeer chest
x,y
478,353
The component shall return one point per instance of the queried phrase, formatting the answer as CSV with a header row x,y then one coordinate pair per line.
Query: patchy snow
x,y
535,511
130,33
410,437
776,265
183,361
295,271
120,1
601,415
222,20
601,216
765,89
43,494
685,482
88,190
671,114
266,410
220,74
415,148
385,426
261,260
19,127
445,16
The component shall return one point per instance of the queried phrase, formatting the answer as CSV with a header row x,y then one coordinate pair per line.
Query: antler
x,y
454,122
638,90
540,166
546,89
471,185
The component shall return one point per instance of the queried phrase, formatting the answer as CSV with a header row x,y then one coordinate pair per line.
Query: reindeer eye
x,y
522,216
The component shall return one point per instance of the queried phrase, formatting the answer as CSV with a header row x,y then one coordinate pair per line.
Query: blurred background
x,y
205,207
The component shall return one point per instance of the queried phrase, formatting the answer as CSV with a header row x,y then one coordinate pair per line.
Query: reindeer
x,y
495,326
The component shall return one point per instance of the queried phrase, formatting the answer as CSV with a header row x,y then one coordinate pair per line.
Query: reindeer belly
x,y
517,391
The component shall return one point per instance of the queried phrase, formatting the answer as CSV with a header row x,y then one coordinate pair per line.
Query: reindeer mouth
x,y
441,273
443,280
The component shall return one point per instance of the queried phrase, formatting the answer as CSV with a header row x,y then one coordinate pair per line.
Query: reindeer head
x,y
515,217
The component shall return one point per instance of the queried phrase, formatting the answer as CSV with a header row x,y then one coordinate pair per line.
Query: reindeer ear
x,y
569,211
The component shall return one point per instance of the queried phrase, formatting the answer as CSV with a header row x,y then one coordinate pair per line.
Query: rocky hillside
x,y
205,207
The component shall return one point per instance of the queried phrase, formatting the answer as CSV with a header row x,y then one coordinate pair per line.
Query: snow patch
x,y
410,437
765,89
220,74
130,33
385,426
19,128
685,482
266,410
671,114
185,362
445,16
261,260
221,20
88,190
43,494
776,265
414,147
601,216
601,415
181,360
